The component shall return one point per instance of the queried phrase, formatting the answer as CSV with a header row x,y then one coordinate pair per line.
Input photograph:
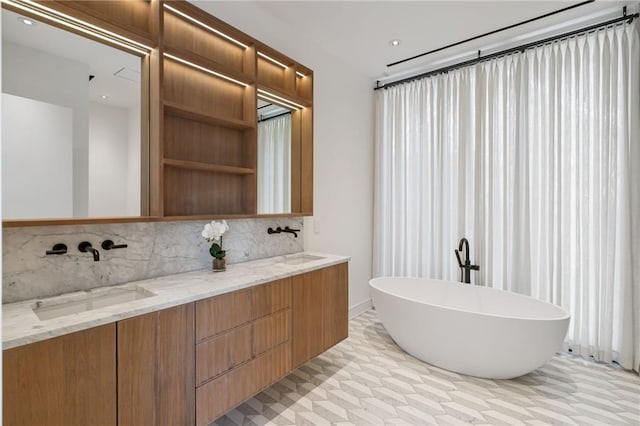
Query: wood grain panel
x,y
307,316
175,371
193,141
136,369
212,400
320,311
65,380
221,313
271,331
296,160
304,85
191,37
193,192
335,302
131,18
202,91
306,162
222,353
271,297
156,368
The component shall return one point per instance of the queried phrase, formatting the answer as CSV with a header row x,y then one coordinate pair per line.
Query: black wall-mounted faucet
x,y
286,229
466,267
86,247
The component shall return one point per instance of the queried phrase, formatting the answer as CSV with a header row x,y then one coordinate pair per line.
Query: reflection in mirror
x,y
71,132
274,158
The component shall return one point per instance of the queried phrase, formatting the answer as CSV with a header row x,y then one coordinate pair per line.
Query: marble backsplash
x,y
154,249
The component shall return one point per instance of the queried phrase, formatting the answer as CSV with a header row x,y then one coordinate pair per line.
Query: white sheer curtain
x,y
274,165
535,158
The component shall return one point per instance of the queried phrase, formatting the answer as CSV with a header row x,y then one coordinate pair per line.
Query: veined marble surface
x,y
20,325
155,249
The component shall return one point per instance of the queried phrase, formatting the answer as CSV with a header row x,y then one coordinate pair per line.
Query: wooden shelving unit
x,y
209,154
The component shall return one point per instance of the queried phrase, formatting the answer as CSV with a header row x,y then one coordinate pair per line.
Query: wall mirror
x,y
73,129
276,124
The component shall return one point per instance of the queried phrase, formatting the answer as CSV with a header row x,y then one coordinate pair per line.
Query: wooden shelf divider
x,y
181,111
208,63
205,167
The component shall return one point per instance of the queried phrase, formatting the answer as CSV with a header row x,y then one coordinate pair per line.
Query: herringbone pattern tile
x,y
369,380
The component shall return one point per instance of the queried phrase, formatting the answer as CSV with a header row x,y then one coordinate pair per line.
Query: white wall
x,y
133,163
36,133
108,164
343,142
44,77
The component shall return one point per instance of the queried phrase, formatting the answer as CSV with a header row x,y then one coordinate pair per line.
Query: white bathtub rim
x,y
566,315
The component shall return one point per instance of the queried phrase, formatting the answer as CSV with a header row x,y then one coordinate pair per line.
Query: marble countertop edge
x,y
21,326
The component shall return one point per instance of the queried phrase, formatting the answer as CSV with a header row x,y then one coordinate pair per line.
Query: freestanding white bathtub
x,y
473,330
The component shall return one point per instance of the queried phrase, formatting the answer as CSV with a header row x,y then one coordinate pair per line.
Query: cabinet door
x,y
156,368
67,380
320,311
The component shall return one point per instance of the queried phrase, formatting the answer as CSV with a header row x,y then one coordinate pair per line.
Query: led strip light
x,y
78,25
269,58
203,25
268,96
207,70
280,64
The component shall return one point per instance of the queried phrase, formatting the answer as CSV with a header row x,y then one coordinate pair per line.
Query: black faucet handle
x,y
57,249
460,264
286,228
474,267
109,245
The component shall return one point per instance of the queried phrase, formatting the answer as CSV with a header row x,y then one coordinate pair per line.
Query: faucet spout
x,y
86,247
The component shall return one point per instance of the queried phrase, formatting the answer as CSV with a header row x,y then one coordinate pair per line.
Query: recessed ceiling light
x,y
104,97
395,42
26,21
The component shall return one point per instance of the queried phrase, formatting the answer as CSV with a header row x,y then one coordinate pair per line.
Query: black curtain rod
x,y
505,52
546,15
274,116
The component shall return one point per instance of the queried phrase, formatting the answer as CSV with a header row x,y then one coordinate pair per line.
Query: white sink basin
x,y
298,259
88,302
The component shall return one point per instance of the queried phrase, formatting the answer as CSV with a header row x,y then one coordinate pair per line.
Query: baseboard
x,y
359,308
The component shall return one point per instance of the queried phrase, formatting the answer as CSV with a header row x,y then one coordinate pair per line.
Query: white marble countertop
x,y
20,325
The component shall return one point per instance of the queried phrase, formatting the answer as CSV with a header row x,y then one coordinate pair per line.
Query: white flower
x,y
214,230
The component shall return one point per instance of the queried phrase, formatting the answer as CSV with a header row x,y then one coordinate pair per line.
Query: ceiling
x,y
357,33
104,62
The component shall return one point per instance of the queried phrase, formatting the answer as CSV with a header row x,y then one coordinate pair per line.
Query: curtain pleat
x,y
274,165
533,157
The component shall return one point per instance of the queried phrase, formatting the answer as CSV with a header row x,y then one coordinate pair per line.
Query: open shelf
x,y
205,167
182,111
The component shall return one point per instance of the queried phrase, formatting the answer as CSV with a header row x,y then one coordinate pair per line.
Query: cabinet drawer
x,y
222,313
222,353
218,396
212,400
252,377
272,297
269,332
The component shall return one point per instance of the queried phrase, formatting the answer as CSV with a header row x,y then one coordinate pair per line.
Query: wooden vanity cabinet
x,y
320,314
184,365
67,380
156,368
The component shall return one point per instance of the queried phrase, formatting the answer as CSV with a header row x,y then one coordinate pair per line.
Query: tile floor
x,y
368,380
